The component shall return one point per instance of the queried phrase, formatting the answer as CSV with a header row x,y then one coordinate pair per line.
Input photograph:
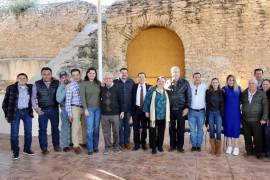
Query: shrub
x,y
20,6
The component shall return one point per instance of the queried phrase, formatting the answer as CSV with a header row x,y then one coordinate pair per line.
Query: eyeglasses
x,y
196,91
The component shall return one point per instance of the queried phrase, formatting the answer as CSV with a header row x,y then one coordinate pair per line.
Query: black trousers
x,y
177,129
157,134
255,130
139,123
267,139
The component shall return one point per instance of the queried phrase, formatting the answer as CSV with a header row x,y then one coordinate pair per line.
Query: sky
x,y
104,2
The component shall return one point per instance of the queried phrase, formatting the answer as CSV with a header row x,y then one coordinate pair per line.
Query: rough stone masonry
x,y
219,36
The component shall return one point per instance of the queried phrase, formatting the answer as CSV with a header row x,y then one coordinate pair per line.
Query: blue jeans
x,y
92,129
215,119
14,131
65,128
53,115
124,130
267,139
196,121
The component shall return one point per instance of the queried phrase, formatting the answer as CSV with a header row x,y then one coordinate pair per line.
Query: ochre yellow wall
x,y
154,51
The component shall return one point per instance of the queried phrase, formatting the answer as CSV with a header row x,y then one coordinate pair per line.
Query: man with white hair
x,y
179,92
255,114
110,113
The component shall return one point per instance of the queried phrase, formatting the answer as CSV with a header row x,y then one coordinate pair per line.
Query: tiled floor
x,y
131,165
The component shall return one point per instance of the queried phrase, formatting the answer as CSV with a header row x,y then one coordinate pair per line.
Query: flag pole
x,y
99,14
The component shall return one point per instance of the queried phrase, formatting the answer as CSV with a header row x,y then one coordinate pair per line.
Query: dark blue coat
x,y
125,90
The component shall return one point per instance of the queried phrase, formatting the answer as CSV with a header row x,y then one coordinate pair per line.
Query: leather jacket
x,y
179,94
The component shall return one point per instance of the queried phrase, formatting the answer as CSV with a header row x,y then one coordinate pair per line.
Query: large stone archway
x,y
153,51
216,35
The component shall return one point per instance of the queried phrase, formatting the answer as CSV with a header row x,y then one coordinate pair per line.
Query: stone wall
x,y
44,29
31,40
219,36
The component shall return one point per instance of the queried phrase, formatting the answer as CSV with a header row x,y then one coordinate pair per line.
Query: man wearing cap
x,y
61,99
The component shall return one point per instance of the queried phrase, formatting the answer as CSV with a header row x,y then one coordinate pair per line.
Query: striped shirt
x,y
73,96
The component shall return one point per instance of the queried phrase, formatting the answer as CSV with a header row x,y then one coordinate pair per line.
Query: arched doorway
x,y
154,51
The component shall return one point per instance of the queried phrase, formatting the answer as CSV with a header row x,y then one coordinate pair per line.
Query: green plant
x,y
20,6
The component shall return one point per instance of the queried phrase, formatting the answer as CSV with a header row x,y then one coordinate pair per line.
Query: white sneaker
x,y
229,150
235,151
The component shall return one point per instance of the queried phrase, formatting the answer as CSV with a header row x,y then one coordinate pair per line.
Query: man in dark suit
x,y
139,120
255,114
17,106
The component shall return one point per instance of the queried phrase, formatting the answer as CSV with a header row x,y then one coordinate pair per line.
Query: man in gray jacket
x,y
255,114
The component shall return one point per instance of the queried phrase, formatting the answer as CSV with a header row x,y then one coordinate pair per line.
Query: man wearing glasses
x,y
196,115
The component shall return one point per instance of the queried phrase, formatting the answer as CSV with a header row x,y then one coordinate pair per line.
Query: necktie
x,y
141,97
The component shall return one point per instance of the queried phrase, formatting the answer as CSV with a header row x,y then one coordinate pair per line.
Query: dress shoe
x,y
198,149
45,151
160,149
57,149
171,149
136,148
29,153
77,150
83,145
247,154
66,149
259,156
193,149
127,146
154,151
181,150
96,150
144,147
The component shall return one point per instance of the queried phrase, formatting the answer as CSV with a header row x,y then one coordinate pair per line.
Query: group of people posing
x,y
119,104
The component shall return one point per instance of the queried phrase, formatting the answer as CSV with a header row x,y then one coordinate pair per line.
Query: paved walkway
x,y
131,165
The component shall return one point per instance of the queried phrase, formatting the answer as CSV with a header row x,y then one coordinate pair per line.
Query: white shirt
x,y
109,86
250,96
139,93
198,96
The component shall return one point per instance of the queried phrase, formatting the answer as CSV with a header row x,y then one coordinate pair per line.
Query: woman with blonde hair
x,y
232,92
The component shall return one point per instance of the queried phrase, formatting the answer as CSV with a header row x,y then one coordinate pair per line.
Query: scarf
x,y
153,109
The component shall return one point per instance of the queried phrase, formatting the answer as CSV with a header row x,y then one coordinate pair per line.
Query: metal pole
x,y
99,14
